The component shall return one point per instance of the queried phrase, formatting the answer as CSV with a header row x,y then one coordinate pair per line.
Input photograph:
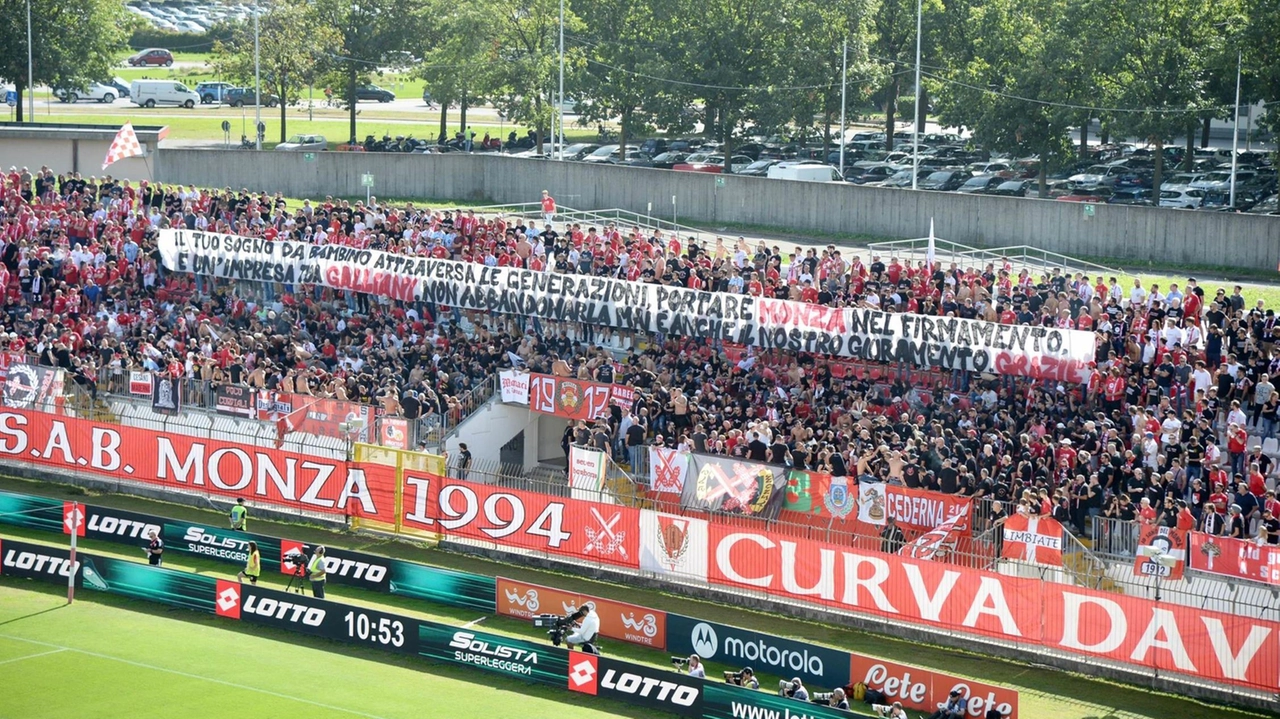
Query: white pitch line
x,y
233,685
474,622
32,656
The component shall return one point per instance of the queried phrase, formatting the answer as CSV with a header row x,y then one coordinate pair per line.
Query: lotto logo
x,y
582,673
227,599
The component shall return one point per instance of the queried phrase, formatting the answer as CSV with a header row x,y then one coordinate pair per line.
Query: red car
x,y
706,162
155,57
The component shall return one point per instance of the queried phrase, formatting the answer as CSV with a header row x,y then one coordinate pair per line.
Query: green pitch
x,y
101,659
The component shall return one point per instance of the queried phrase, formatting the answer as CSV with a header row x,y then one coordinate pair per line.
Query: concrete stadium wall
x,y
1134,234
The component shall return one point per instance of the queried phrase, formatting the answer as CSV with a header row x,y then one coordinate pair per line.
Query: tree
x,y
626,52
286,64
455,44
1164,52
525,61
1017,70
73,43
371,31
894,47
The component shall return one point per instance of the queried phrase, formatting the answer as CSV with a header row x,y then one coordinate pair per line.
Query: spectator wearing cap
x,y
953,708
1235,524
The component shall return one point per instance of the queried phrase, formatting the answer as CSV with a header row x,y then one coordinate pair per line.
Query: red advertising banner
x,y
1235,557
618,620
1131,630
571,527
228,469
923,689
569,398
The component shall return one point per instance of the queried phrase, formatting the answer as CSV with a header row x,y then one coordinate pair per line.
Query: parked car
x,y
1181,180
211,92
981,185
149,93
1098,175
1183,198
805,172
579,150
706,162
121,86
93,91
1011,188
638,159
1267,206
151,57
876,172
1131,196
610,154
944,180
668,159
373,92
902,178
303,143
653,147
238,96
1221,180
759,168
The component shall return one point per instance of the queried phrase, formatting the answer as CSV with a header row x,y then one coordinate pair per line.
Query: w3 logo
x,y
528,600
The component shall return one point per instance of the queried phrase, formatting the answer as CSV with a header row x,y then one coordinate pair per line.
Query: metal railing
x,y
621,218
429,429
1020,256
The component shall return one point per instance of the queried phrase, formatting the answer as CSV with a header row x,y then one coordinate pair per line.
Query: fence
x,y
427,430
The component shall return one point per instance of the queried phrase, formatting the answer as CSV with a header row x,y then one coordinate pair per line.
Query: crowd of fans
x,y
1169,429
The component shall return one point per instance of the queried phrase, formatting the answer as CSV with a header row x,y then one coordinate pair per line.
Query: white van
x,y
806,172
149,93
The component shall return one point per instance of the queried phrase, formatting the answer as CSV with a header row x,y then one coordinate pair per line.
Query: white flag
x,y
931,255
125,145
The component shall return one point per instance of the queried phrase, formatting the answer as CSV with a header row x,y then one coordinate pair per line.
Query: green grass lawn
x,y
1044,693
109,658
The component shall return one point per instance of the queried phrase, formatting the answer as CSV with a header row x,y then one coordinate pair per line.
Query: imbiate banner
x,y
861,333
205,466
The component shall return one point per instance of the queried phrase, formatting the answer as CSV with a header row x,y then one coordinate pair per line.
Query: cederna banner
x,y
863,333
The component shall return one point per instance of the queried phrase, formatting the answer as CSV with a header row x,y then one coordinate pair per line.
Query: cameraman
x,y
316,569
695,667
795,690
585,633
838,700
744,678
890,711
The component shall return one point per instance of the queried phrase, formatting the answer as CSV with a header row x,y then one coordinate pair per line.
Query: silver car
x,y
304,143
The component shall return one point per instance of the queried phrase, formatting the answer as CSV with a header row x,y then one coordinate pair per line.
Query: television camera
x,y
557,626
296,567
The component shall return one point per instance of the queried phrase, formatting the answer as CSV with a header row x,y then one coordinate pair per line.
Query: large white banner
x,y
672,544
667,470
586,475
515,386
868,334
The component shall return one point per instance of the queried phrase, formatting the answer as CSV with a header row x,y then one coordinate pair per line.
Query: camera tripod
x,y
299,575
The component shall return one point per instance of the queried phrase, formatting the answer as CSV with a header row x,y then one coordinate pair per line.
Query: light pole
x,y
257,84
844,88
915,128
559,140
1235,129
31,85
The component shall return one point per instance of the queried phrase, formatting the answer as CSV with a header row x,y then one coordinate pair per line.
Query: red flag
x,y
1162,552
125,145
289,422
1033,539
